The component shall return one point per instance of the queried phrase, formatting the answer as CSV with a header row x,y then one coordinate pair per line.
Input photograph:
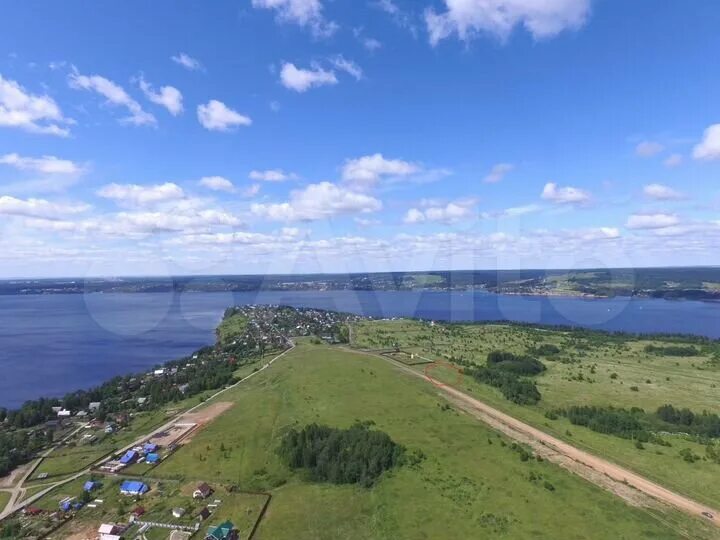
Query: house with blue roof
x,y
148,448
129,457
152,458
90,486
133,487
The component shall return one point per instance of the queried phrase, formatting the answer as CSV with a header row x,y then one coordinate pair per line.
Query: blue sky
x,y
272,136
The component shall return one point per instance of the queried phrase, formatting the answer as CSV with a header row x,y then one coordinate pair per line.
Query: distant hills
x,y
697,283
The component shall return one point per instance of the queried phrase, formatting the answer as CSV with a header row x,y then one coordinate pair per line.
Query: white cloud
x,y
137,195
661,192
652,221
364,172
709,148
272,175
348,66
448,214
153,222
564,195
301,80
29,112
318,201
114,94
217,183
371,44
673,160
516,211
307,13
649,148
498,172
38,208
186,61
44,164
251,190
168,96
216,116
468,18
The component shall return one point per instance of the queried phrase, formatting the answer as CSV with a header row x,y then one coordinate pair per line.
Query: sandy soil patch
x,y
203,417
11,479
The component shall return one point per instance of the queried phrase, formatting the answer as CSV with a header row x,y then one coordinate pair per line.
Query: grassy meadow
x,y
470,484
591,369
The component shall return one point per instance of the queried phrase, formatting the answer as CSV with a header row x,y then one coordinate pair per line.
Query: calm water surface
x,y
53,344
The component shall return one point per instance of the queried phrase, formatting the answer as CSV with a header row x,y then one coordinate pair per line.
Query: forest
x,y
357,455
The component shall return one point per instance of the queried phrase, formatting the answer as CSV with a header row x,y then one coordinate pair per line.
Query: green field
x,y
581,375
471,484
4,498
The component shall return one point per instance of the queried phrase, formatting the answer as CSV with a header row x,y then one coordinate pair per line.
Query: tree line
x,y
508,373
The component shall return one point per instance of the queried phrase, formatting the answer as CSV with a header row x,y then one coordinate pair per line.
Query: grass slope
x,y
471,484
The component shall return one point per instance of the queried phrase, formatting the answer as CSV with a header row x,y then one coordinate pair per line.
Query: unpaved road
x,y
632,487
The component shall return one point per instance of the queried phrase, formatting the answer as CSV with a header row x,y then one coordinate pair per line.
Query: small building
x,y
152,458
64,413
90,485
94,406
131,487
178,512
32,511
142,400
149,447
204,514
129,457
224,531
203,491
108,531
138,512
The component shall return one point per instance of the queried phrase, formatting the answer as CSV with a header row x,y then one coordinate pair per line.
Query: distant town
x,y
695,283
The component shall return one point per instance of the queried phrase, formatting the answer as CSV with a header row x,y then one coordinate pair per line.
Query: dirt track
x,y
632,487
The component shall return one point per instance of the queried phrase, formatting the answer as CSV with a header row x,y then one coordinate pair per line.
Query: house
x,y
178,512
131,487
149,447
64,413
129,457
108,531
204,514
152,458
90,485
159,372
138,512
224,531
94,406
142,400
32,511
203,491
81,414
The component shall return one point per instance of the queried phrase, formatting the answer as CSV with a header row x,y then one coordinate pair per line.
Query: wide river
x,y
53,344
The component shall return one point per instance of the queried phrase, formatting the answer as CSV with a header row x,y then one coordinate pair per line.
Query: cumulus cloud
x,y
38,208
648,148
272,175
139,195
302,80
366,171
318,201
661,192
167,96
29,112
216,116
306,13
114,94
709,148
43,164
498,172
371,44
468,18
154,222
564,195
186,61
448,214
217,183
652,221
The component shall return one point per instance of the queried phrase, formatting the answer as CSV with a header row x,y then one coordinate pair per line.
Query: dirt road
x,y
632,487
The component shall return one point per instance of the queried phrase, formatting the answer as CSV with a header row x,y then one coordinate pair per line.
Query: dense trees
x,y
356,455
18,447
672,350
705,424
520,365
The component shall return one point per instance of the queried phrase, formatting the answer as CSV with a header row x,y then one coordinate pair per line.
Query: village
x,y
95,481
